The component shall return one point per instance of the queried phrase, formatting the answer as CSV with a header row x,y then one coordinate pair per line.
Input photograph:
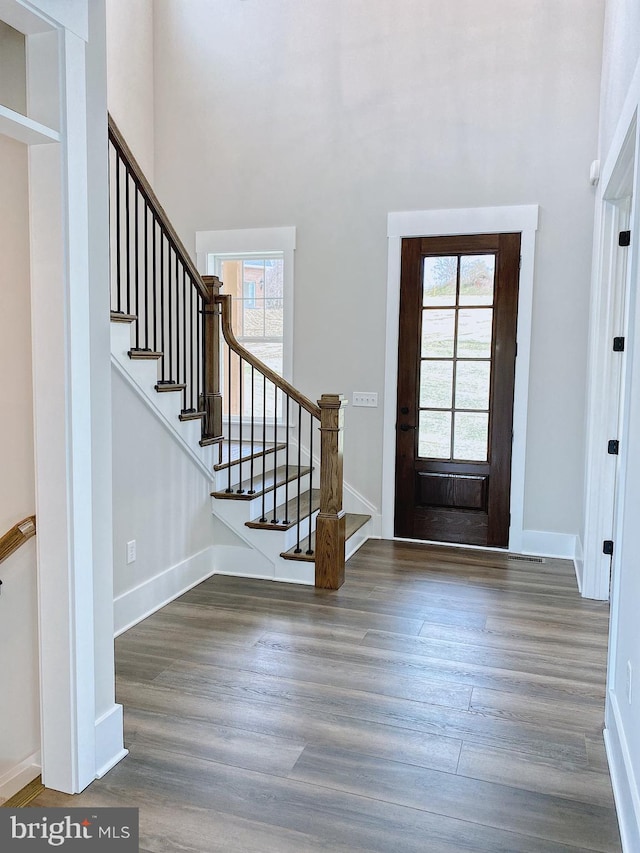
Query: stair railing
x,y
17,536
156,285
268,413
181,319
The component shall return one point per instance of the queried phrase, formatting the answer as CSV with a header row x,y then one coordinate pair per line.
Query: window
x,y
256,269
256,285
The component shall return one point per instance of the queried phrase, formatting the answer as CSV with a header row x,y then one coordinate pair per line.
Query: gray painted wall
x,y
328,114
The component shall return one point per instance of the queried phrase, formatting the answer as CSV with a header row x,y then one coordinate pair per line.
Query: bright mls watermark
x,y
79,829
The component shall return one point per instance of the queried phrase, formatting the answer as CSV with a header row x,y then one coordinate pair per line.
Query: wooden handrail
x,y
17,536
224,300
145,188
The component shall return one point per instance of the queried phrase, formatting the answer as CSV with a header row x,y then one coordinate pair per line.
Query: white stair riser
x,y
252,509
240,473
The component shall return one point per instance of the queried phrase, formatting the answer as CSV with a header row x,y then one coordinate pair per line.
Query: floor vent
x,y
524,559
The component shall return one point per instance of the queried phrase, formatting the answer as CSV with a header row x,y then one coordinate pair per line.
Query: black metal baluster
x,y
309,548
298,549
201,358
146,275
162,341
274,520
240,489
252,491
136,267
263,517
184,338
229,489
285,520
170,373
176,343
112,293
192,354
118,236
154,278
128,225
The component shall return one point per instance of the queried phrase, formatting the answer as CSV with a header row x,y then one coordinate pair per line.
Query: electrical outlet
x,y
131,551
629,680
365,398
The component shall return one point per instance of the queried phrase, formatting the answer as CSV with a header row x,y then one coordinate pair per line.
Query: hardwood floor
x,y
439,701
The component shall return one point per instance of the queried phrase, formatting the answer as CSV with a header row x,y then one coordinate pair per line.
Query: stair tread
x,y
353,522
161,387
289,511
272,480
121,317
191,416
243,453
144,353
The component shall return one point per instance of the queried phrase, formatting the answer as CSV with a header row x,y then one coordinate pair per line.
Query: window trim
x,y
259,242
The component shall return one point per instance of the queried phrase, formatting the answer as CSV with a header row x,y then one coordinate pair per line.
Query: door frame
x,y
447,223
610,293
66,131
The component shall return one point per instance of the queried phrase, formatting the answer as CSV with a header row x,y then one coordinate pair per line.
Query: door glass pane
x,y
472,384
437,333
474,332
439,281
471,436
477,273
434,435
436,384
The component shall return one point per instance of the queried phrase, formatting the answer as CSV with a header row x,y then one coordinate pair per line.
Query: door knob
x,y
406,427
404,410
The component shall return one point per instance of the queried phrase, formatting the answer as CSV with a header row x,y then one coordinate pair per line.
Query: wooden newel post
x,y
330,524
211,396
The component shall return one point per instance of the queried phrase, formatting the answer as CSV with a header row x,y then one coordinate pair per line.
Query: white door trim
x,y
609,293
436,223
69,283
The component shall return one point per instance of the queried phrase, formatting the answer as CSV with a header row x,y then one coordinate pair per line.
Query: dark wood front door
x,y
456,368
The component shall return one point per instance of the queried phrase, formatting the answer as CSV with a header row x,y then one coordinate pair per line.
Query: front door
x,y
456,370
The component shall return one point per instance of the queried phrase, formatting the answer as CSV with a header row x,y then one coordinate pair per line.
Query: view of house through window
x,y
256,285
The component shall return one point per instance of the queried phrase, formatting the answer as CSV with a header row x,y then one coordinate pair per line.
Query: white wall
x,y
130,75
162,501
19,696
328,114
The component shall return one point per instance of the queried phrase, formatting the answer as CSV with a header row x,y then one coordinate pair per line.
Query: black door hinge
x,y
607,546
613,447
624,238
618,344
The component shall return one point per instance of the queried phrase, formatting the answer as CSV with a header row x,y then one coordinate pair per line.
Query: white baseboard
x,y
625,785
17,777
109,746
578,563
136,604
542,543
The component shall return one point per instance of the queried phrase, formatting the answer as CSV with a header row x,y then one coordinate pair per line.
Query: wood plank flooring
x,y
442,700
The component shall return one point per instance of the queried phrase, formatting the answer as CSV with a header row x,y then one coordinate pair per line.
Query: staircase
x,y
274,482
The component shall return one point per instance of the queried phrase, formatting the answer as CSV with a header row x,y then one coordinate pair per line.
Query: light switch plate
x,y
365,398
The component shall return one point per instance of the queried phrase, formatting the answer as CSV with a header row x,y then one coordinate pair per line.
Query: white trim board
x,y
109,732
24,129
136,604
435,223
626,792
17,777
